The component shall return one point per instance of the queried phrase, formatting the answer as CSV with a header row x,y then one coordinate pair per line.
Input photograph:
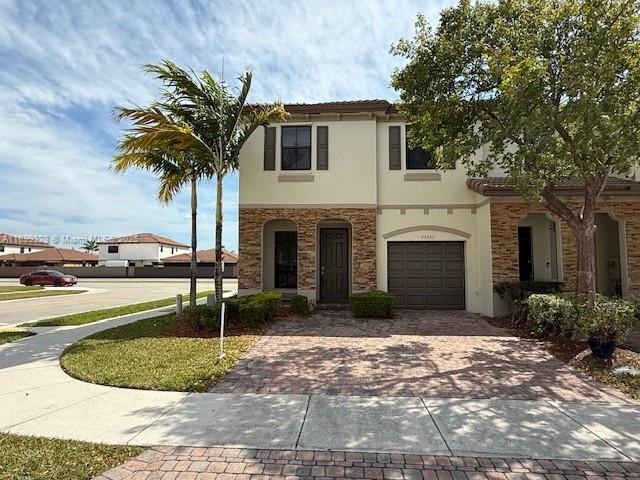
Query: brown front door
x,y
334,264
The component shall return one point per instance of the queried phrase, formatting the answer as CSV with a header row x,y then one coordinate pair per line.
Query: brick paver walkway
x,y
186,463
417,353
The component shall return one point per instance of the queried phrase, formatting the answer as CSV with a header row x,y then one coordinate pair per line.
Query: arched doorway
x,y
280,255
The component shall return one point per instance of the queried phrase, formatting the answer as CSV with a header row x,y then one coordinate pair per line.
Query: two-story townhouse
x,y
15,244
333,201
138,249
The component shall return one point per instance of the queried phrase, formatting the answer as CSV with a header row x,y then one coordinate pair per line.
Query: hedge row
x,y
251,310
374,304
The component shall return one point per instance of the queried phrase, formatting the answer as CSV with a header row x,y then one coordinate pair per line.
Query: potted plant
x,y
605,323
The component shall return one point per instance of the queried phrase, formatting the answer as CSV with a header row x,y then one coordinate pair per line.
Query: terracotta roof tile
x,y
145,238
20,241
497,186
347,106
202,256
51,255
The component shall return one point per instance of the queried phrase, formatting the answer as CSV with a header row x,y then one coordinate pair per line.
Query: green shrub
x,y
232,306
259,308
635,301
549,314
607,319
558,314
300,305
374,304
512,292
202,317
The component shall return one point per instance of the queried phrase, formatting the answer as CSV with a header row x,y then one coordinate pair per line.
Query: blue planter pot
x,y
602,349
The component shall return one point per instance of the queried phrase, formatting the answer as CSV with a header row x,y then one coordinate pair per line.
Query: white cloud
x,y
68,63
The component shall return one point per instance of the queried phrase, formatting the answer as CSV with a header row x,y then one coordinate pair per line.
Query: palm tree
x,y
90,246
214,121
174,168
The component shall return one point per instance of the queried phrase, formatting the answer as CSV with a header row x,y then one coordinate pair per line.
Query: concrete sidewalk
x,y
40,399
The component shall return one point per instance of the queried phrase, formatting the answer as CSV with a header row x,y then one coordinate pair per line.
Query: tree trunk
x,y
194,243
583,226
217,273
585,257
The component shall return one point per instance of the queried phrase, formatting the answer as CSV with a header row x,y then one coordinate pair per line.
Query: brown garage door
x,y
426,274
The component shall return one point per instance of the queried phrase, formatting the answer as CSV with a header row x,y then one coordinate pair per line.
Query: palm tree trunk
x,y
194,242
218,265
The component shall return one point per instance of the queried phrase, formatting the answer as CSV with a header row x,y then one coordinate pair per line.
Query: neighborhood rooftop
x,y
347,106
22,241
144,238
203,256
50,255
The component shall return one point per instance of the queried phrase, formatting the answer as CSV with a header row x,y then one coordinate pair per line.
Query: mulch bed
x,y
184,330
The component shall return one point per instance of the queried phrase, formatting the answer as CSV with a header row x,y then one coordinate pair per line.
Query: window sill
x,y
422,177
296,177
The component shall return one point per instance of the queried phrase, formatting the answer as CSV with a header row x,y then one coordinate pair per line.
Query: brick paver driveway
x,y
417,353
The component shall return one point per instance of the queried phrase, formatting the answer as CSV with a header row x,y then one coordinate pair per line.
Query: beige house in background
x,y
333,201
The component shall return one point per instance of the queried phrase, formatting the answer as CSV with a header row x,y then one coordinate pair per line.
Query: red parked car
x,y
48,277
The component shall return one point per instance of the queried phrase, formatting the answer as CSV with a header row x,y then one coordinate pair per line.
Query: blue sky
x,y
67,64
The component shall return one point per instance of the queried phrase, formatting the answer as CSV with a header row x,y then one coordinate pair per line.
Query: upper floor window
x,y
418,158
161,249
296,148
1,248
112,249
21,249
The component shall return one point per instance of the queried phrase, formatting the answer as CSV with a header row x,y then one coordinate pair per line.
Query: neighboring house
x,y
17,244
50,257
207,259
333,202
139,249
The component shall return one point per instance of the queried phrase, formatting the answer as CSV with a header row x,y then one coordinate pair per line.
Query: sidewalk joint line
x,y
158,419
304,420
590,431
446,444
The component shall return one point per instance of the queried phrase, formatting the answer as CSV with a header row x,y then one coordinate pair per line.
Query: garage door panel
x,y
435,266
414,249
415,282
414,265
453,266
395,248
396,266
426,274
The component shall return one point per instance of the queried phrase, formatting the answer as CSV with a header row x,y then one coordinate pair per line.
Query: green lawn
x,y
155,354
95,315
19,288
7,336
37,458
37,293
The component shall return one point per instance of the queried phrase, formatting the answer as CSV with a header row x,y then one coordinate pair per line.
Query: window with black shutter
x,y
296,148
417,157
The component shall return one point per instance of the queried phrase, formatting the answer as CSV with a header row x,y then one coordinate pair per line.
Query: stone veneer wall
x,y
504,239
363,233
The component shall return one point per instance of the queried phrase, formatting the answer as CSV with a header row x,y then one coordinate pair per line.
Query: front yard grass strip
x,y
95,315
19,288
159,353
7,336
38,458
37,293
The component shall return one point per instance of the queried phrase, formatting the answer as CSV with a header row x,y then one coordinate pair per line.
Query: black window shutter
x,y
323,148
394,148
270,148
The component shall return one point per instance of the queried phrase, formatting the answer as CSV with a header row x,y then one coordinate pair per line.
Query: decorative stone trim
x,y
363,227
303,177
422,177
